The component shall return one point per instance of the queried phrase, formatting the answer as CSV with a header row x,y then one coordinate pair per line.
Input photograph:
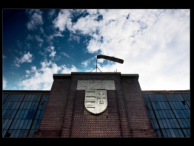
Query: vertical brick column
x,y
138,117
52,120
122,110
68,115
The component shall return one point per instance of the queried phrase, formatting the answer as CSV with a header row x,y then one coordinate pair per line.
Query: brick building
x,y
63,111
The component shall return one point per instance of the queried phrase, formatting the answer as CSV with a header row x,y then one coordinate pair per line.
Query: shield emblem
x,y
96,101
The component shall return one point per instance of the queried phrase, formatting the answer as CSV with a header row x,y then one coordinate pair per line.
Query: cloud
x,y
35,17
51,13
86,62
25,58
65,54
68,70
4,82
153,43
63,20
74,37
42,78
38,39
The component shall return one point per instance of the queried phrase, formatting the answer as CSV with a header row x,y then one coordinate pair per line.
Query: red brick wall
x,y
138,117
66,116
53,116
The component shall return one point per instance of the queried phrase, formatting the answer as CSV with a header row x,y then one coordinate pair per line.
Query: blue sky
x,y
38,43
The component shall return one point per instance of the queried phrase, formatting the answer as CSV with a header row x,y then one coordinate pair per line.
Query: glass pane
x,y
164,132
160,123
8,124
17,133
25,114
186,133
28,105
176,132
161,105
37,114
25,124
182,123
38,124
157,114
29,124
161,114
168,133
4,123
34,124
32,106
17,105
21,124
17,124
21,133
186,96
188,103
176,123
154,124
4,97
176,114
13,133
22,105
25,133
187,123
30,114
168,123
164,123
41,114
164,114
172,133
18,114
10,105
159,133
31,134
180,132
4,132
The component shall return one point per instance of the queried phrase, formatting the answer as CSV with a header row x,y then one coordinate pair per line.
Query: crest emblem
x,y
96,101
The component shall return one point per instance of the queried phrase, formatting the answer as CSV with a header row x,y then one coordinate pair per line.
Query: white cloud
x,y
74,37
26,58
4,82
63,20
42,79
68,70
65,54
38,39
153,43
52,54
86,62
35,19
51,13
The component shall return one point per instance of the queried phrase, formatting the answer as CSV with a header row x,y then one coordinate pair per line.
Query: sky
x,y
154,43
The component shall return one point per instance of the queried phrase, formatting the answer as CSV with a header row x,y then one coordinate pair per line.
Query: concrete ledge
x,y
27,91
165,91
94,73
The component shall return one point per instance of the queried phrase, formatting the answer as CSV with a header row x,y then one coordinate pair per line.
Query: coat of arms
x,y
96,101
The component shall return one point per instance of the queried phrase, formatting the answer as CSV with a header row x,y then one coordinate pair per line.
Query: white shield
x,y
96,101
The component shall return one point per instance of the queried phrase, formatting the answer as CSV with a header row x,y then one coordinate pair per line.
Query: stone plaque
x,y
95,84
96,101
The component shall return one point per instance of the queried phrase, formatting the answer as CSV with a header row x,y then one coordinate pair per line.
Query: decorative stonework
x,y
95,84
96,101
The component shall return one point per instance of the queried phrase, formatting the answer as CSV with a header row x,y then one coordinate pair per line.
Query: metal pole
x,y
96,64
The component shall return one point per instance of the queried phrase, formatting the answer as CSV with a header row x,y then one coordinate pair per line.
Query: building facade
x,y
108,104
